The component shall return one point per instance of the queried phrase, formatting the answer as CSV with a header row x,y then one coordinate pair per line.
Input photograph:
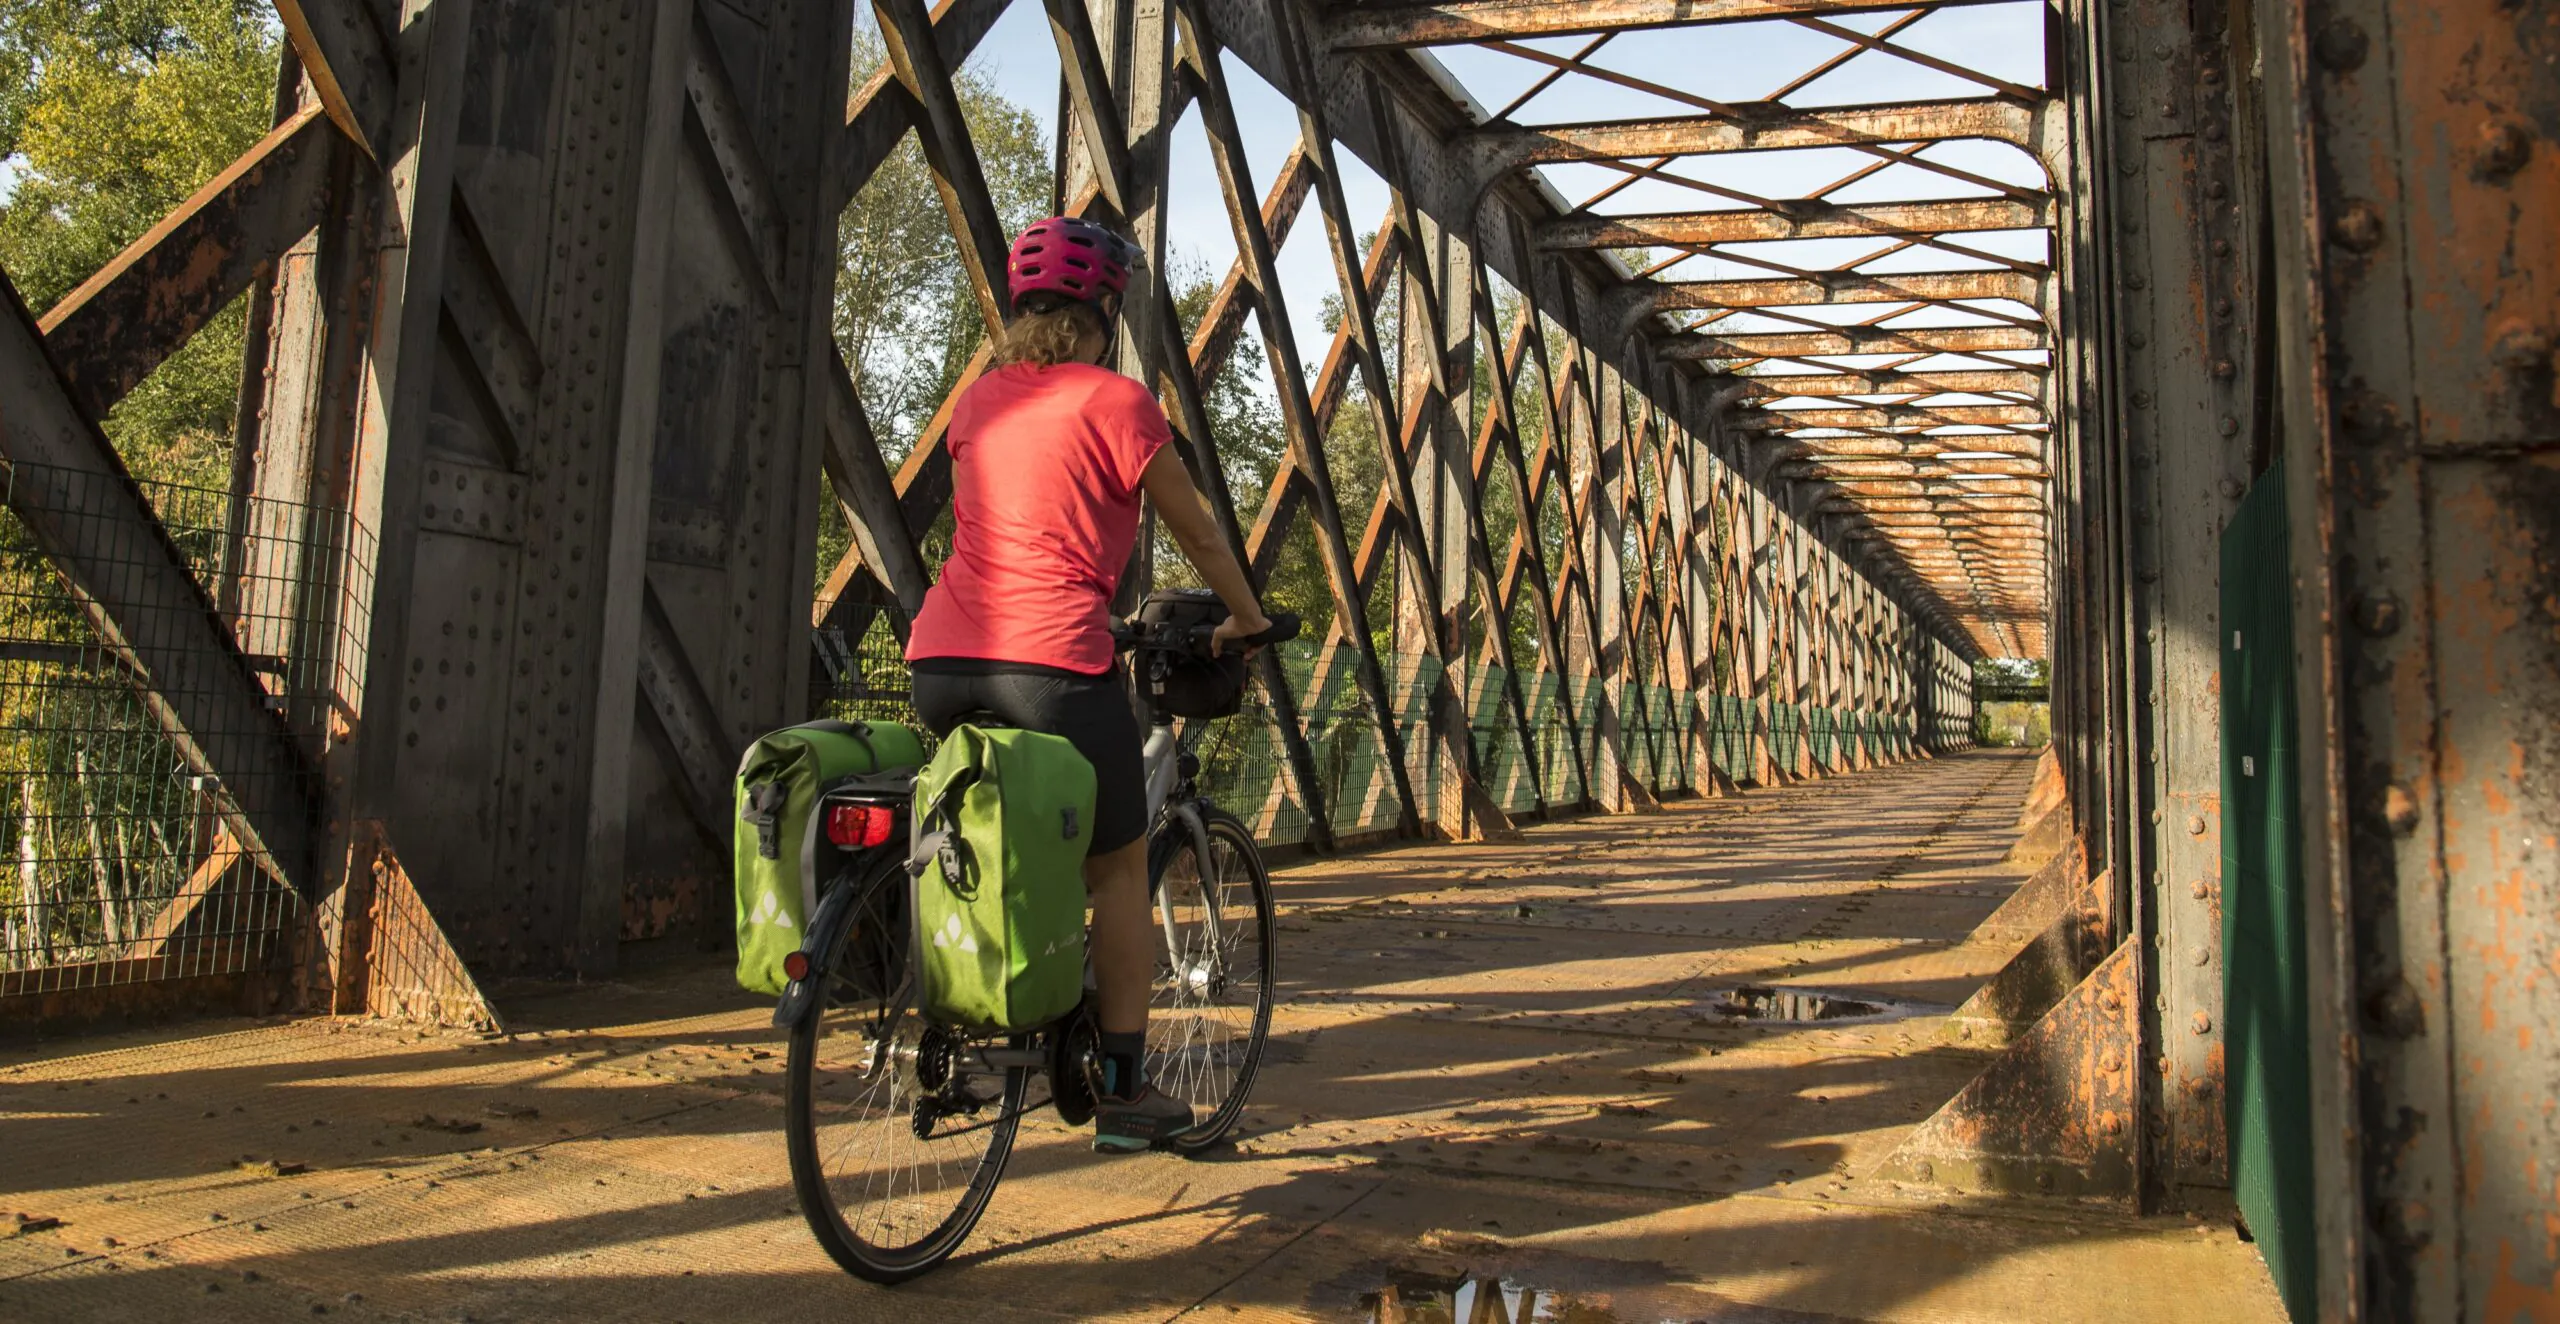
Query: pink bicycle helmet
x,y
1075,258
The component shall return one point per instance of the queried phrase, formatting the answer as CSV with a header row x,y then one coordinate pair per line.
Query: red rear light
x,y
859,827
795,967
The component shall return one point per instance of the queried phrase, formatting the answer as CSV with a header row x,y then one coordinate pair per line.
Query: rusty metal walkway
x,y
1493,1060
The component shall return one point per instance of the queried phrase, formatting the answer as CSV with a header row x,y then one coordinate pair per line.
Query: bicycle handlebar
x,y
1194,639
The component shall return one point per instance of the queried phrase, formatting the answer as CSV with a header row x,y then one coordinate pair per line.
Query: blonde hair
x,y
1044,334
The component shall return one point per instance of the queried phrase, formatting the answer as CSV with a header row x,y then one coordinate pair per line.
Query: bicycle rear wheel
x,y
1209,1010
896,1142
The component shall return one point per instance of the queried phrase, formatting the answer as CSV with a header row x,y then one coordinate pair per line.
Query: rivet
x,y
2229,426
2399,809
2202,1024
2225,369
2358,227
2195,825
2518,345
2231,488
2378,613
2341,46
2201,956
2505,145
2198,890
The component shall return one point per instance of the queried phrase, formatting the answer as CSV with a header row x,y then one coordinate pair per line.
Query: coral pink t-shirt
x,y
1045,464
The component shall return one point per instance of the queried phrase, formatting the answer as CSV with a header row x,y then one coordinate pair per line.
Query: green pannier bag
x,y
775,845
1002,819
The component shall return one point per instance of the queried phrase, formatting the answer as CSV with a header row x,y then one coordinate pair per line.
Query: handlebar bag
x,y
1002,820
774,848
1186,685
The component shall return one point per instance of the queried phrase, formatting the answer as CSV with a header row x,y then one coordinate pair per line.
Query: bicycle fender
x,y
835,910
1199,824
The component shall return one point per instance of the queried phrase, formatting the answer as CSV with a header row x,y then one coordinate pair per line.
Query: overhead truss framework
x,y
1915,344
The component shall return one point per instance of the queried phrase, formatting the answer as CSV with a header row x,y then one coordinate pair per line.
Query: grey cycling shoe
x,y
1127,1126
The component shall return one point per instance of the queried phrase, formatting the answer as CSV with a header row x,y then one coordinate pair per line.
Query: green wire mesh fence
x,y
124,855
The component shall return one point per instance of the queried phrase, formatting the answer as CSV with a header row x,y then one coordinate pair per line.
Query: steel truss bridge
x,y
542,391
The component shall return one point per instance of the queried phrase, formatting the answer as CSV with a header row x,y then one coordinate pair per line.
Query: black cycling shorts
x,y
1092,712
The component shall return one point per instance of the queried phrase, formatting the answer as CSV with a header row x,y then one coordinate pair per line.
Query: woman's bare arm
x,y
1186,516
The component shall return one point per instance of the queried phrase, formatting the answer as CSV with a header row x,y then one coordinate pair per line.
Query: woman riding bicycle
x,y
1050,453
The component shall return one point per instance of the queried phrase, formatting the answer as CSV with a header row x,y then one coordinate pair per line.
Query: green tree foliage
x,y
111,113
906,319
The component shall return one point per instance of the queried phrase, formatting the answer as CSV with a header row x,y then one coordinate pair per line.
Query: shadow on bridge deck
x,y
1493,1060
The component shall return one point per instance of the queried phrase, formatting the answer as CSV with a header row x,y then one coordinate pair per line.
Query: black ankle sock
x,y
1121,1056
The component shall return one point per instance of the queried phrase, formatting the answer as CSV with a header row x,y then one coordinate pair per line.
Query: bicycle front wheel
x,y
1209,1010
897,1135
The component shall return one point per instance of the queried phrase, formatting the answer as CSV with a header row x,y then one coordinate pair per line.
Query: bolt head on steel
x,y
2358,227
2400,809
2378,613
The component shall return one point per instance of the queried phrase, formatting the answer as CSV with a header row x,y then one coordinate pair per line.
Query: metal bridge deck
x,y
1492,1061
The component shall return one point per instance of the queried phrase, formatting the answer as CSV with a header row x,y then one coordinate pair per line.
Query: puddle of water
x,y
1476,1301
1764,1004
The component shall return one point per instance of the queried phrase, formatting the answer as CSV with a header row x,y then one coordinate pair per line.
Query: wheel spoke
x,y
1211,1003
883,1201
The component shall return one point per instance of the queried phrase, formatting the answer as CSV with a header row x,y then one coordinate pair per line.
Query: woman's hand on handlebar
x,y
1234,630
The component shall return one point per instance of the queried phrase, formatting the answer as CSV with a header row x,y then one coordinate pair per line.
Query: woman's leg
x,y
1125,937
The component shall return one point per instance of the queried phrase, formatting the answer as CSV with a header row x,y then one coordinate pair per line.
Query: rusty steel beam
x,y
1931,507
1758,127
155,295
1905,487
1903,446
1399,25
1845,287
1881,467
883,110
1800,218
1889,416
349,61
2023,381
912,40
1855,340
71,491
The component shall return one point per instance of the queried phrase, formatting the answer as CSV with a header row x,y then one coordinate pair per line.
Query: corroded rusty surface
x,y
411,970
1490,1060
2053,1114
2045,970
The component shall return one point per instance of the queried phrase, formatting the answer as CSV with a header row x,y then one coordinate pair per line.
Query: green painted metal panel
x,y
2267,1096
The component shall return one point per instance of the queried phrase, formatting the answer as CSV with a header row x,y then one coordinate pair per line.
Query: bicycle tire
x,y
855,1243
1182,1060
